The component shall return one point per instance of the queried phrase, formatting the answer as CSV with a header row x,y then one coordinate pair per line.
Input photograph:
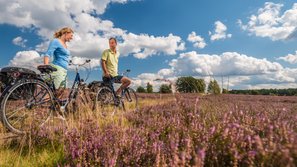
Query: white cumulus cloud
x,y
228,63
291,58
27,59
197,40
232,70
272,23
219,32
91,32
19,41
143,45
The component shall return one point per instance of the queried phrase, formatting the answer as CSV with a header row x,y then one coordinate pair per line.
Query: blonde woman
x,y
60,54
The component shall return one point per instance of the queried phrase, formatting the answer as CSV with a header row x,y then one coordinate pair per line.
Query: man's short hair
x,y
113,38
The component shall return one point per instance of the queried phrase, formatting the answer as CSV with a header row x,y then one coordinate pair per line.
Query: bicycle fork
x,y
126,94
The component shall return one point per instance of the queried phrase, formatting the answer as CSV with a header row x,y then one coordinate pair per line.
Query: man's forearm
x,y
103,64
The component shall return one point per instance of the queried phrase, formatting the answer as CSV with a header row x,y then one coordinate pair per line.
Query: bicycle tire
x,y
130,100
105,102
22,95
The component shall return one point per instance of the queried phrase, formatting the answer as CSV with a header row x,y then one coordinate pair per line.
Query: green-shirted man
x,y
109,64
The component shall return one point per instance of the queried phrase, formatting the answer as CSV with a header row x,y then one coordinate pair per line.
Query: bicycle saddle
x,y
46,68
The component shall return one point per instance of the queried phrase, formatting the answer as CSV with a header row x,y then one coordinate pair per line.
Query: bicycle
x,y
31,102
107,101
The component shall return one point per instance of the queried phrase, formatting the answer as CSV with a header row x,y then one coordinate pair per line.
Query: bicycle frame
x,y
74,89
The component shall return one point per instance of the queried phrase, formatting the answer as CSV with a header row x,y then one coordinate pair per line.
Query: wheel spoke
x,y
105,101
15,111
19,118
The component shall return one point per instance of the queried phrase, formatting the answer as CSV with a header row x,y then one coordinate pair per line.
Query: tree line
x,y
190,84
277,92
185,85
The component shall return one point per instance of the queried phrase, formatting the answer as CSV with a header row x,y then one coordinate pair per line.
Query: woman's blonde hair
x,y
62,31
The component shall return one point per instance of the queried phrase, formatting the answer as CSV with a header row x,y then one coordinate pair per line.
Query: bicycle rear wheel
x,y
26,105
130,100
105,102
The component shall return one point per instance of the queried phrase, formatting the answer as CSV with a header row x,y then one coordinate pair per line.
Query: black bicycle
x,y
31,102
107,102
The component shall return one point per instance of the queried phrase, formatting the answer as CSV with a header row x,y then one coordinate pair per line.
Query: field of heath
x,y
168,130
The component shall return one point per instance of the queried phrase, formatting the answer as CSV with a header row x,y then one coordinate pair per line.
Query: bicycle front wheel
x,y
105,102
26,105
130,100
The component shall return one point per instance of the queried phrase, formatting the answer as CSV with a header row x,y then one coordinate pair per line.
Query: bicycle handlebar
x,y
82,65
126,72
71,63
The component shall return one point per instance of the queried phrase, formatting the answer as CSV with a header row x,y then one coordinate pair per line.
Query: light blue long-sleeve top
x,y
59,53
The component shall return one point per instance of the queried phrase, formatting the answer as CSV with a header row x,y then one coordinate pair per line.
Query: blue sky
x,y
253,43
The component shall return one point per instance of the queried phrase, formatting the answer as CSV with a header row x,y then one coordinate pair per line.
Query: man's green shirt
x,y
112,60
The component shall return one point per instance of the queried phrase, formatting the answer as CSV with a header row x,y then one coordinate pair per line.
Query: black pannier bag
x,y
94,87
10,75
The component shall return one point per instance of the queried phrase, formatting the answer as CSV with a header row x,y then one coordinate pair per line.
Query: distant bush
x,y
165,88
190,85
140,89
213,87
149,88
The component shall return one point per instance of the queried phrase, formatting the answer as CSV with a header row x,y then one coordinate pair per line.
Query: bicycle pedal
x,y
62,102
117,102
